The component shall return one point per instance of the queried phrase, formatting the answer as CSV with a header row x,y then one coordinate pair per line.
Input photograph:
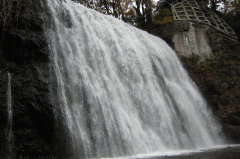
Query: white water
x,y
123,91
185,153
10,114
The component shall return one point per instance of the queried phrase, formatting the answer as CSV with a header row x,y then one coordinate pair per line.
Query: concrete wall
x,y
192,42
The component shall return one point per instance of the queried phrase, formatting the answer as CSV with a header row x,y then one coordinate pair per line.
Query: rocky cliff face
x,y
36,125
217,76
218,79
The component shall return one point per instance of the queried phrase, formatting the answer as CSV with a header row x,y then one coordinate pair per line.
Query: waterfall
x,y
123,91
10,114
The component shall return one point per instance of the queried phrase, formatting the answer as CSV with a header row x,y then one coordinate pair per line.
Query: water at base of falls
x,y
123,91
221,151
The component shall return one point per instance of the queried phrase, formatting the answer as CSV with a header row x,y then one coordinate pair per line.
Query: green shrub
x,y
163,16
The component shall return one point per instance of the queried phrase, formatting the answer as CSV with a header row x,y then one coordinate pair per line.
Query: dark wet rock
x,y
218,80
38,131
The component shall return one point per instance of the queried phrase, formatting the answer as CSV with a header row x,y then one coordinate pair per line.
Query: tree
x,y
148,11
163,12
214,4
231,14
230,6
144,15
137,12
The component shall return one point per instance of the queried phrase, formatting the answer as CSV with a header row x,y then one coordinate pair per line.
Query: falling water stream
x,y
123,91
10,114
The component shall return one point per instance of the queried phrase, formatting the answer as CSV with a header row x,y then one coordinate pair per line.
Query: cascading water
x,y
10,113
122,90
